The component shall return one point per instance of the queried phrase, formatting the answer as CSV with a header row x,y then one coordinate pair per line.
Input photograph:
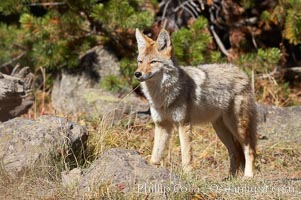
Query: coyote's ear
x,y
163,41
142,40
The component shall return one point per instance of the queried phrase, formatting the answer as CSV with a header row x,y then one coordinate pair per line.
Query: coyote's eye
x,y
139,61
154,61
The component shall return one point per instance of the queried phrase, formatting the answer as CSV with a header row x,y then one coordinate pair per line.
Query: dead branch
x,y
219,42
269,75
15,93
13,60
294,69
48,4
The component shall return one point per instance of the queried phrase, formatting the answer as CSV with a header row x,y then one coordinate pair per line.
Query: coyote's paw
x,y
247,177
155,163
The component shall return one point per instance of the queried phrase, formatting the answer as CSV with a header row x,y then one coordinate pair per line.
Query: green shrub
x,y
116,14
263,61
191,45
112,83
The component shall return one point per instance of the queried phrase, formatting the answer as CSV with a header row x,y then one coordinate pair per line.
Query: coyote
x,y
184,96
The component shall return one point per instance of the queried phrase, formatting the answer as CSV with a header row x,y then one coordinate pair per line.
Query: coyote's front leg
x,y
184,135
162,134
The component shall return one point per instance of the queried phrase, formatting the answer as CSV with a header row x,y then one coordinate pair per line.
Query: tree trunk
x,y
15,93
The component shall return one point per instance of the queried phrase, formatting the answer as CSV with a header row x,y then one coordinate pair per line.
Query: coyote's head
x,y
153,55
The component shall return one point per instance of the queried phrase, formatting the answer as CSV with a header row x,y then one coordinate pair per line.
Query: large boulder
x,y
126,171
99,103
79,91
26,143
282,124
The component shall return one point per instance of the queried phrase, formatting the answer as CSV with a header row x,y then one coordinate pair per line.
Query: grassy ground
x,y
278,166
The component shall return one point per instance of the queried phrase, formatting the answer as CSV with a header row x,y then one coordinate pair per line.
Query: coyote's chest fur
x,y
163,96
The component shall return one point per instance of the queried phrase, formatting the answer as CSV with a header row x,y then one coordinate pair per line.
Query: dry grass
x,y
273,91
277,164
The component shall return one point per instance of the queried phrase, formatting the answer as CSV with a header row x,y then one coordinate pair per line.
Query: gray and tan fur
x,y
182,97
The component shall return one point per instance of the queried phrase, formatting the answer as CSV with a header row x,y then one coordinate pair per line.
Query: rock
x,y
26,143
280,123
71,179
99,62
99,103
80,92
126,171
69,86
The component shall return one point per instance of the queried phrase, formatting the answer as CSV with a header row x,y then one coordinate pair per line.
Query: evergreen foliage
x,y
56,39
127,68
10,36
59,32
191,45
112,83
116,14
127,80
263,61
292,30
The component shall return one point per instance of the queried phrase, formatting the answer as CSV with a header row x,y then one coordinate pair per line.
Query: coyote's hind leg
x,y
243,124
235,151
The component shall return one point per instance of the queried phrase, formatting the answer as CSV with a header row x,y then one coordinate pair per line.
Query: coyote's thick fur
x,y
181,97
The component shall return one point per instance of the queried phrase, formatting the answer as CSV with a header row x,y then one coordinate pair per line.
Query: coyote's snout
x,y
181,97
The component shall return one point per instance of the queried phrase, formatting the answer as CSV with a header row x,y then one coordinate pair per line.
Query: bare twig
x,y
217,13
253,80
48,4
16,68
295,69
219,42
193,8
20,46
215,19
8,77
164,24
269,75
164,13
43,71
191,11
248,21
254,41
212,19
202,4
165,8
13,60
